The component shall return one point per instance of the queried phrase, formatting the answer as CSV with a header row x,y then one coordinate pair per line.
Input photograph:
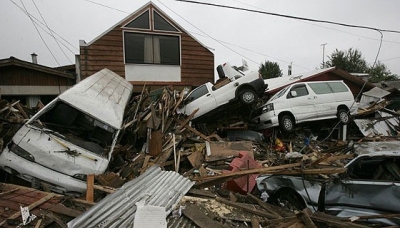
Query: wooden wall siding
x,y
26,77
197,62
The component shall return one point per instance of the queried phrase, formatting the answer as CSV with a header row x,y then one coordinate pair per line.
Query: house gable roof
x,y
137,14
12,61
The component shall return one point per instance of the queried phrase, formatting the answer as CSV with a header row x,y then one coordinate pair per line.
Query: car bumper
x,y
28,171
266,120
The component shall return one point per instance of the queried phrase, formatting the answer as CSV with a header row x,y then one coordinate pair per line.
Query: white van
x,y
74,135
306,101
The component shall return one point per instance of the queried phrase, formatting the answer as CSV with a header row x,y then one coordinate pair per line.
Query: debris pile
x,y
219,164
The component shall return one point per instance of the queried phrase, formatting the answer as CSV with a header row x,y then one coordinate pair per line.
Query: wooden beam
x,y
245,208
8,192
305,217
186,121
192,129
333,221
264,205
251,171
30,207
90,188
199,217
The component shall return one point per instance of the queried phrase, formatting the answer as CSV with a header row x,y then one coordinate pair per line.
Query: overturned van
x,y
72,136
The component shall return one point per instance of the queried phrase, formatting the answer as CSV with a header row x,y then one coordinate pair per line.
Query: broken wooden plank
x,y
333,221
61,209
264,205
56,219
222,150
8,192
192,129
245,208
104,188
199,217
145,164
155,144
89,188
255,222
200,192
186,121
251,171
30,207
304,215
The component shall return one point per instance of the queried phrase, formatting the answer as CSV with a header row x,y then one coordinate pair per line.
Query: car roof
x,y
102,95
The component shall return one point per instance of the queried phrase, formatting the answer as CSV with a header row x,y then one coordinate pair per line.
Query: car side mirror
x,y
293,93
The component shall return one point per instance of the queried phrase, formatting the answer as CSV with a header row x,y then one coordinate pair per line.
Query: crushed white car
x,y
234,86
72,136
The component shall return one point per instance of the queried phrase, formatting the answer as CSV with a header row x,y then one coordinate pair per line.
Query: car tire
x,y
289,200
286,123
247,96
343,116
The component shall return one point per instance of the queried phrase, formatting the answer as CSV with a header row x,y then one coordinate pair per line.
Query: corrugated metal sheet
x,y
384,127
155,187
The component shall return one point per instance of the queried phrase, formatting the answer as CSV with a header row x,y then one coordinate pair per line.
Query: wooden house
x,y
30,82
148,47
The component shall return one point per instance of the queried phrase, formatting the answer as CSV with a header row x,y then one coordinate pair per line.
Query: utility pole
x,y
323,55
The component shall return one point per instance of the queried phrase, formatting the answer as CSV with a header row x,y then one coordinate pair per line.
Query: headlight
x,y
268,107
21,152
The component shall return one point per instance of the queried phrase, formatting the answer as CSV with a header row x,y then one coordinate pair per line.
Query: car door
x,y
301,103
201,98
371,185
325,101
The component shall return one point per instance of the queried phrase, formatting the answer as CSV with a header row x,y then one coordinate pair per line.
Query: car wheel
x,y
289,200
343,116
286,123
247,96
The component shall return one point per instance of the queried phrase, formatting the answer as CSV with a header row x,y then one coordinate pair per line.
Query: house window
x,y
161,24
141,22
151,49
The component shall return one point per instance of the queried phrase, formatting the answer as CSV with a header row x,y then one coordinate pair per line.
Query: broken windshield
x,y
77,127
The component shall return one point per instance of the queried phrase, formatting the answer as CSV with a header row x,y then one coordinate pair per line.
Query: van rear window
x,y
338,87
320,88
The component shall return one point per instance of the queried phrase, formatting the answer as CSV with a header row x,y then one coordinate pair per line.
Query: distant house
x,y
356,84
30,82
148,47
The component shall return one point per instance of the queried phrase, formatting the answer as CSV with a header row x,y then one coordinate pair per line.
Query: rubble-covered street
x,y
167,170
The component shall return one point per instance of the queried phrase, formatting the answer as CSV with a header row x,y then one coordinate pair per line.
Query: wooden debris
x,y
199,218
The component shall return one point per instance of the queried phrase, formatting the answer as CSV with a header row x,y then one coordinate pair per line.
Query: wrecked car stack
x,y
153,134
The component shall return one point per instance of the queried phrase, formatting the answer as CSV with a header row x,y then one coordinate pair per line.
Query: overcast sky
x,y
232,35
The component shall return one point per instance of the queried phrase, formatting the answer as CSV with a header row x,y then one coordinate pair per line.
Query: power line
x,y
106,6
37,21
50,31
256,52
289,16
208,35
37,30
337,30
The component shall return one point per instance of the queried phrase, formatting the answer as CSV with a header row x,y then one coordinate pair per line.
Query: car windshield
x,y
195,94
279,94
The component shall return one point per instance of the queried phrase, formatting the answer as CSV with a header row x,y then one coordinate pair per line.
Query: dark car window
x,y
301,90
198,92
375,168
